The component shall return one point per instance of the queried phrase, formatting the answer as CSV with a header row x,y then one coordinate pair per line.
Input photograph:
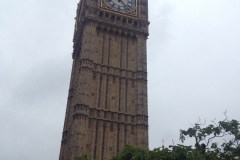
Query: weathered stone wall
x,y
107,104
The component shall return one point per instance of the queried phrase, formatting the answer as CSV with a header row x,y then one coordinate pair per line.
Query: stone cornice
x,y
121,30
89,65
86,111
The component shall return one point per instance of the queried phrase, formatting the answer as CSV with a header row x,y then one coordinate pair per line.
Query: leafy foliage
x,y
228,130
207,146
132,153
84,157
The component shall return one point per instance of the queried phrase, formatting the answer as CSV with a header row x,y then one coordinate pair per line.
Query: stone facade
x,y
107,102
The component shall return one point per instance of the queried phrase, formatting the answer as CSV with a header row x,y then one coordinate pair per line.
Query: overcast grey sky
x,y
193,66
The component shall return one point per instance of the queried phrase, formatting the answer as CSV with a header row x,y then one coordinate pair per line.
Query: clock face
x,y
124,6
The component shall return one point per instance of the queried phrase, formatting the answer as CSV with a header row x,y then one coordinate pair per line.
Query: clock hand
x,y
122,2
127,7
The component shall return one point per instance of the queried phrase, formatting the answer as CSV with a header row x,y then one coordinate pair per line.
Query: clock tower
x,y
107,102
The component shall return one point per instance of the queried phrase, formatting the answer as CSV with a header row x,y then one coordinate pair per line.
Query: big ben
x,y
107,102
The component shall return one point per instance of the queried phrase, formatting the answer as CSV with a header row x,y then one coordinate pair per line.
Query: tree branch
x,y
210,139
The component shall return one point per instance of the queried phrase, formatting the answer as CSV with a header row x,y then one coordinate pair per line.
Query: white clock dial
x,y
124,6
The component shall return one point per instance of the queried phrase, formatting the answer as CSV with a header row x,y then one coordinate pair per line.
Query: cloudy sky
x,y
193,70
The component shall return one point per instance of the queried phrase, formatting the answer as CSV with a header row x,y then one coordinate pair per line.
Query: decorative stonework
x,y
107,100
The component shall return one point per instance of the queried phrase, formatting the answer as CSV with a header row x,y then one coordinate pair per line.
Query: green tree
x,y
84,157
132,153
208,139
207,144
